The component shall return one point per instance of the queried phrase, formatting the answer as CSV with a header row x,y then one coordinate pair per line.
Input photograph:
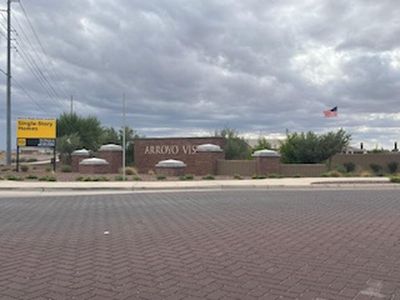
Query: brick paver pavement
x,y
202,245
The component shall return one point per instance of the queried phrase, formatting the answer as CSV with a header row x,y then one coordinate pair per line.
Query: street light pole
x,y
123,137
8,104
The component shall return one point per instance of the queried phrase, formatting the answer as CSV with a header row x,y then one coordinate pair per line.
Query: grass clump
x,y
186,177
31,177
395,179
258,177
209,177
136,178
237,176
130,171
333,173
48,178
161,177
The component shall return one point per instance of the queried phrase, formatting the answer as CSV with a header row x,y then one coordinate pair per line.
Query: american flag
x,y
331,112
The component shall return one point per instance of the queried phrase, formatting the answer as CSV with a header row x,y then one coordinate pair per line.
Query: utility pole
x,y
123,138
8,109
72,105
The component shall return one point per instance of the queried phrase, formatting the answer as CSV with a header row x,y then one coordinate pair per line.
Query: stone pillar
x,y
170,167
206,159
267,162
76,157
113,155
93,166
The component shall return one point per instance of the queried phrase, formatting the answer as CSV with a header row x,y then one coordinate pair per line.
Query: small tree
x,y
235,146
262,143
312,148
66,145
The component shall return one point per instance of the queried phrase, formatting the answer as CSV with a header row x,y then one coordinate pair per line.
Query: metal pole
x,y
123,138
8,125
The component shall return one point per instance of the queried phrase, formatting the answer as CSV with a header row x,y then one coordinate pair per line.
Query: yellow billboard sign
x,y
36,128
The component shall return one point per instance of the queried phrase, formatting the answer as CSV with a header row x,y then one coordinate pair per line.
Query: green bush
x,y
136,178
66,169
392,167
87,178
395,179
341,169
120,178
79,178
186,177
24,168
48,178
161,177
258,177
377,169
349,167
31,177
31,159
209,177
14,178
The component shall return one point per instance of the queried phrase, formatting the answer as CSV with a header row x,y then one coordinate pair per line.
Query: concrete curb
x,y
288,183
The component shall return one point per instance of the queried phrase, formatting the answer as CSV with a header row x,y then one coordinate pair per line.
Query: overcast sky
x,y
190,67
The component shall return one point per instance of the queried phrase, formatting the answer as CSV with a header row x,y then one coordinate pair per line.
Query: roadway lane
x,y
294,244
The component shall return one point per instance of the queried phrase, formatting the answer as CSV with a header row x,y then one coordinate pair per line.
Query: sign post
x,y
37,133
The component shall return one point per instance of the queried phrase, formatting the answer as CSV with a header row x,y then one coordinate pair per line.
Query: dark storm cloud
x,y
189,67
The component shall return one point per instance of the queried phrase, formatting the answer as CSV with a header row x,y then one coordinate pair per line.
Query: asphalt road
x,y
250,244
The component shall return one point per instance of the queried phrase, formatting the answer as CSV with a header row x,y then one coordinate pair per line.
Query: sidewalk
x,y
203,184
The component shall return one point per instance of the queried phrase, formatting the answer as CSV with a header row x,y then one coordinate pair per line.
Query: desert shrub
x,y
392,167
377,169
395,179
186,177
365,173
100,178
66,169
31,159
333,173
130,171
136,178
151,172
208,177
87,178
24,168
48,169
349,166
79,178
161,177
31,177
237,176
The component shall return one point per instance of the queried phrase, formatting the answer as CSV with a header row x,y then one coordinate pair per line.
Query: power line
x,y
36,62
40,43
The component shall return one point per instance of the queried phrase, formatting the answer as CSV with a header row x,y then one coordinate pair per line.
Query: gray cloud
x,y
191,67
